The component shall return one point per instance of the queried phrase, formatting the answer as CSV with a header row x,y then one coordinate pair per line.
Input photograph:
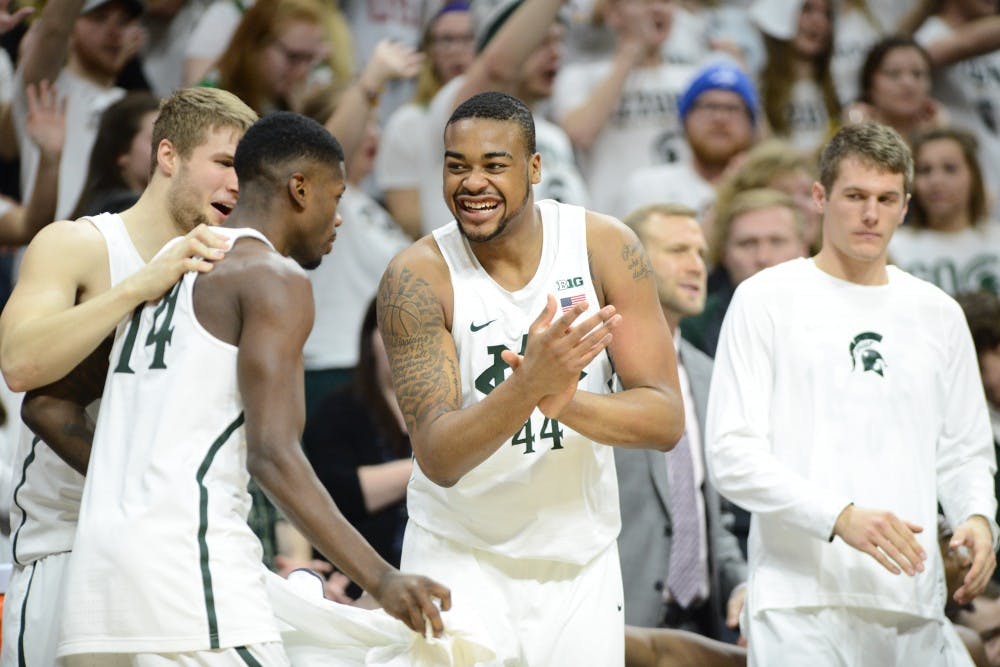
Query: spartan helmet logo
x,y
865,354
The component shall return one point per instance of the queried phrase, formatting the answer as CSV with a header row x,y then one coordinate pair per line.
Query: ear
x,y
906,207
297,189
819,195
167,158
535,168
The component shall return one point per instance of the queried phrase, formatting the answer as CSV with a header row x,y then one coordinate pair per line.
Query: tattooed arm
x,y
414,305
57,412
649,413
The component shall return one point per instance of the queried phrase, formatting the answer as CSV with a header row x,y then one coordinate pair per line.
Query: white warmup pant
x,y
851,637
535,612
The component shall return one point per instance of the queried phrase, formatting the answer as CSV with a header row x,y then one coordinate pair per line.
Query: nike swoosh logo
x,y
476,327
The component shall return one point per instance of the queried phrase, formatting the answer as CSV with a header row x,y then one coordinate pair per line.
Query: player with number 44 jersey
x,y
488,509
506,331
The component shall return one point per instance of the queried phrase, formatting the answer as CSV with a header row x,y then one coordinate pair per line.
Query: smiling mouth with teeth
x,y
479,206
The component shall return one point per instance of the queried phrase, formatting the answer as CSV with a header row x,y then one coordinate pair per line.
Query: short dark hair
x,y
279,138
982,311
498,106
876,145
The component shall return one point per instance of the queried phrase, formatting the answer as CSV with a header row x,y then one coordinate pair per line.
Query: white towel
x,y
320,633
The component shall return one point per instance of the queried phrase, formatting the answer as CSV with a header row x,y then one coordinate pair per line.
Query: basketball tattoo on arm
x,y
412,324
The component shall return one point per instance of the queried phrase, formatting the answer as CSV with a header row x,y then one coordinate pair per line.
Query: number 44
x,y
526,435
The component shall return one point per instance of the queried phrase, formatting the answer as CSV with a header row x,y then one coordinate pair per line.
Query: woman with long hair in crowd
x,y
120,162
948,238
796,85
275,48
895,84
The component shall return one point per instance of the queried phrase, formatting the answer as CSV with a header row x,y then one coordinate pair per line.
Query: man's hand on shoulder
x,y
883,536
975,534
196,251
410,598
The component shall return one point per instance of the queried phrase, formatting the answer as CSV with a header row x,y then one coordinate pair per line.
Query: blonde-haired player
x,y
78,280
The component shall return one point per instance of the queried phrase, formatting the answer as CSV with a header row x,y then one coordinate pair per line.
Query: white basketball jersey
x,y
548,492
164,560
46,498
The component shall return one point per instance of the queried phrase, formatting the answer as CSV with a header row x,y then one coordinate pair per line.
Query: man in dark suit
x,y
681,567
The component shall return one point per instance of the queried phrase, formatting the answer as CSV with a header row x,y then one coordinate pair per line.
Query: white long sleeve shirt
x,y
826,393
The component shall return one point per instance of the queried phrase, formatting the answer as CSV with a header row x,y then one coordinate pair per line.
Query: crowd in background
x,y
718,106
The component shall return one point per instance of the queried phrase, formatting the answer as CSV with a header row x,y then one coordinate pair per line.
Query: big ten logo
x,y
569,283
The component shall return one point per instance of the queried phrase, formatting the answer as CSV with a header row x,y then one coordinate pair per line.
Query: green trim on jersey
x,y
206,574
24,608
24,514
244,653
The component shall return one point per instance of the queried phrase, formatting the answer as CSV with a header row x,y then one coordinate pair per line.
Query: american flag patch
x,y
568,302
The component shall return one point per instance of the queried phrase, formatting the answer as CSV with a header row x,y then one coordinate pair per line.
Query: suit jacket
x,y
644,542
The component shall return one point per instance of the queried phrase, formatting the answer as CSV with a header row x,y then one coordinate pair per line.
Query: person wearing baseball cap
x,y
81,46
718,111
620,111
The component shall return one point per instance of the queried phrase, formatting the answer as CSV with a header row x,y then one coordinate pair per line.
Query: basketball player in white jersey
x,y
514,497
206,388
78,280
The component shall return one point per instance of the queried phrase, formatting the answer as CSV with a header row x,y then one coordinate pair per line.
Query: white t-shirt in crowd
x,y
346,280
808,120
211,34
85,102
967,260
167,47
970,89
853,35
374,20
644,130
665,184
399,149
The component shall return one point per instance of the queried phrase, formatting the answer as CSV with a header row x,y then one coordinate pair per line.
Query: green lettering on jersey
x,y
158,336
491,378
551,431
133,331
526,435
162,335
